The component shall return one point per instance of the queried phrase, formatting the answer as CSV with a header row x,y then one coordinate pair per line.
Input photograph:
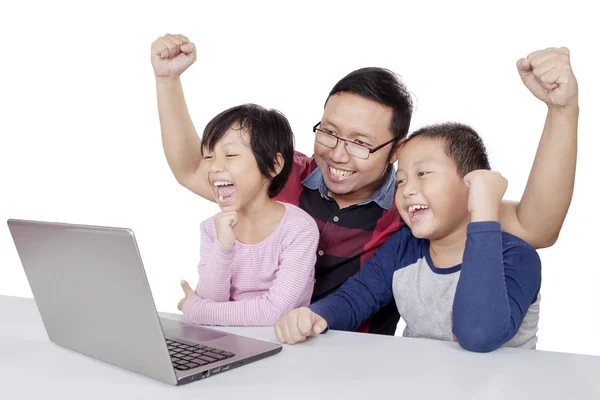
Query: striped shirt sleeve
x,y
291,287
214,269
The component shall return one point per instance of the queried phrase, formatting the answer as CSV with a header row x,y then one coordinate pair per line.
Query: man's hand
x,y
187,291
548,75
224,223
486,189
172,55
298,324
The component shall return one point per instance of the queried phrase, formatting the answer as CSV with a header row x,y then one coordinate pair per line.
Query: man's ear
x,y
397,148
278,164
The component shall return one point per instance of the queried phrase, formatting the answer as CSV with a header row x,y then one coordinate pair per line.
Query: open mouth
x,y
417,211
224,191
338,175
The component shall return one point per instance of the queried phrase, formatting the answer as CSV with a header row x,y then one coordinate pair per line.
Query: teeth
x,y
222,183
417,207
340,173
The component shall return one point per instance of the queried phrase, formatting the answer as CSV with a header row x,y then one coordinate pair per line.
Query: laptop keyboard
x,y
185,356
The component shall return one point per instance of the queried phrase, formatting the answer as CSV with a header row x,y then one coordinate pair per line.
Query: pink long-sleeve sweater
x,y
254,285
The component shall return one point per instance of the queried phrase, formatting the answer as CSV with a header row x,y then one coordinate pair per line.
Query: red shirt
x,y
348,236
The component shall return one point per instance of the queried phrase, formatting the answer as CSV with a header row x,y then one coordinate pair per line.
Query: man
x,y
348,185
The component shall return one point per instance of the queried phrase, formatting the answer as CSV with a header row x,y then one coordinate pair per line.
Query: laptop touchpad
x,y
194,334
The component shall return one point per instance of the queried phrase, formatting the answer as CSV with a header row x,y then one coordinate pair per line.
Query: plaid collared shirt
x,y
349,236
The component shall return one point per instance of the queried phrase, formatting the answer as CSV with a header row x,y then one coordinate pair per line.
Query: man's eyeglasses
x,y
328,139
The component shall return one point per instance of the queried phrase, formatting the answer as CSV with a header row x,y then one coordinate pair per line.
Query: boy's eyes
x,y
419,174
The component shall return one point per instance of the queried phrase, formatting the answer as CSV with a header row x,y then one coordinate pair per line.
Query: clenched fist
x,y
548,75
486,189
172,55
298,324
224,223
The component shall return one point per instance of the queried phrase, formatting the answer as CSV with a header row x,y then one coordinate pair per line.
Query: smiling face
x,y
233,172
431,197
362,121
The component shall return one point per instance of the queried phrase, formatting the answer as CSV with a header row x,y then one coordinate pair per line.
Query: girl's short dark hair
x,y
270,133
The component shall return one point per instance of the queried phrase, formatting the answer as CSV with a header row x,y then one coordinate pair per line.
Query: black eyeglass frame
x,y
330,133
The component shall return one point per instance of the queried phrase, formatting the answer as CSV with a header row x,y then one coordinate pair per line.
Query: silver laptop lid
x,y
93,295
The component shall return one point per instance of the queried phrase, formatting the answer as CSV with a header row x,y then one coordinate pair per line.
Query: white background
x,y
80,139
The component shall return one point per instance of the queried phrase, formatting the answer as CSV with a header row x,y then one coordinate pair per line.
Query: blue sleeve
x,y
500,279
368,290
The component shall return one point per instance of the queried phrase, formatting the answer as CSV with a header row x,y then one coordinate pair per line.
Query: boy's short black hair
x,y
270,133
463,145
384,87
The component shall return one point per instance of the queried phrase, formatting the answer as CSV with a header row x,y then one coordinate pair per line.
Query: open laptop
x,y
93,296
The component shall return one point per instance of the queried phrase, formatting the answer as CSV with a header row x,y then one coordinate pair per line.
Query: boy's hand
x,y
187,291
224,223
171,55
486,189
548,75
298,324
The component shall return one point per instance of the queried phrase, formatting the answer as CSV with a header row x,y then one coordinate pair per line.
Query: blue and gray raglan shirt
x,y
488,301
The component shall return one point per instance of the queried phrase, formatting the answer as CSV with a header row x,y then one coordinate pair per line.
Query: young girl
x,y
257,255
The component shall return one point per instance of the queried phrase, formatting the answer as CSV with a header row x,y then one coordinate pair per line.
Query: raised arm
x,y
216,262
171,56
539,216
499,278
499,281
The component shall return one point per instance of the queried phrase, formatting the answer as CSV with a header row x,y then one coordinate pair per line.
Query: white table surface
x,y
337,365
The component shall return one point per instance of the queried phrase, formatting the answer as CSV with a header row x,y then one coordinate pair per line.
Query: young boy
x,y
454,275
